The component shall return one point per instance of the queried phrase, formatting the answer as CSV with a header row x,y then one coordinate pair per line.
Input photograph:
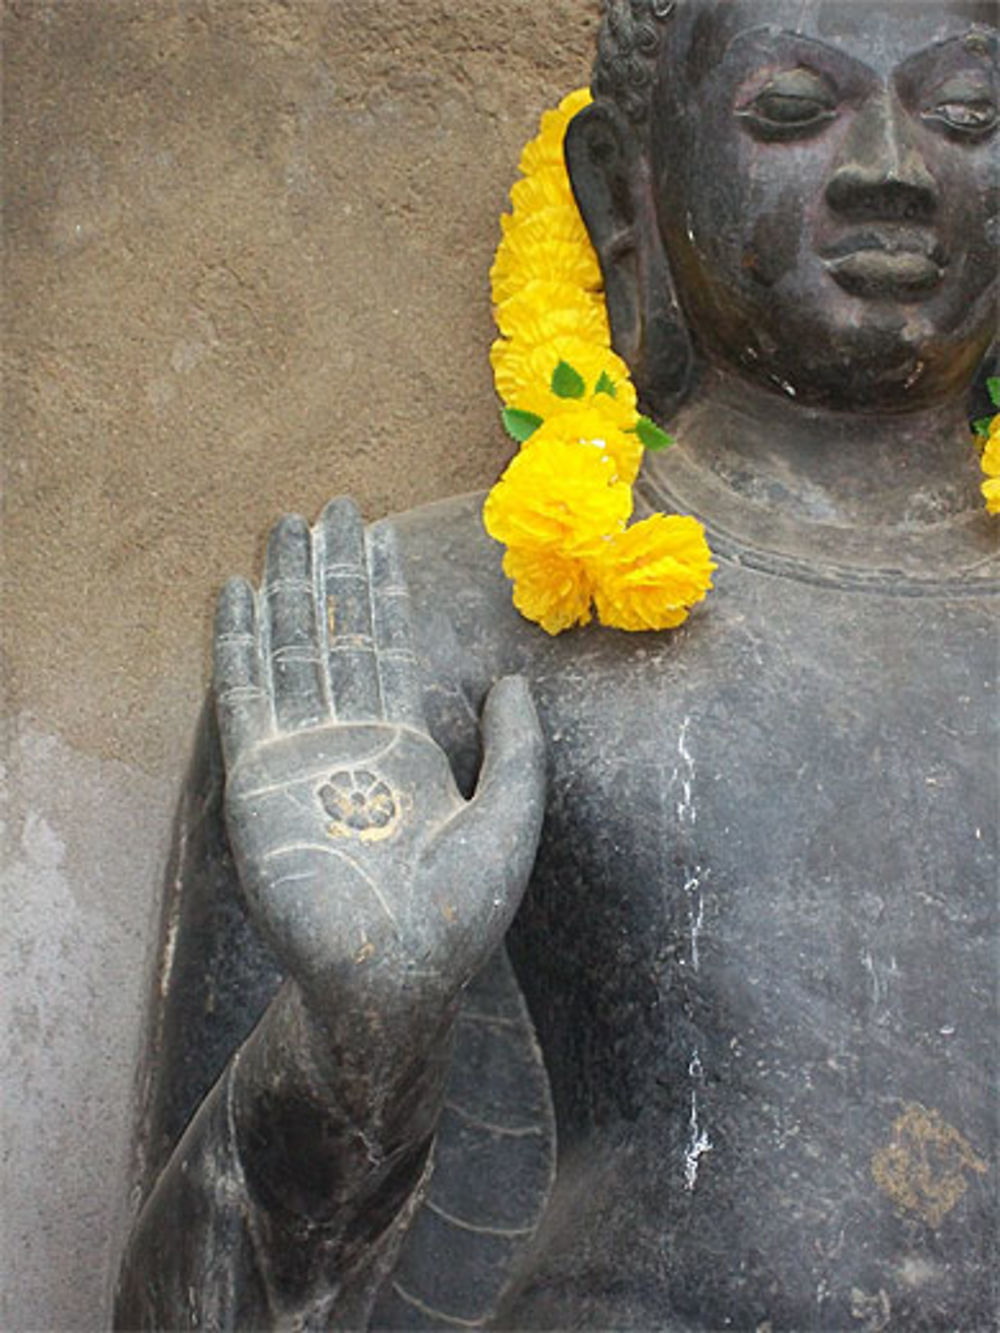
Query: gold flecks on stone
x,y
923,1169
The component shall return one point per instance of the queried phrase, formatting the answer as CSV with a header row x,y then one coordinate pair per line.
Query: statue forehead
x,y
870,30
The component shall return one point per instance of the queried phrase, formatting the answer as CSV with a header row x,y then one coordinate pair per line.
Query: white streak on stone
x,y
700,1142
881,976
868,963
692,887
684,774
696,925
169,949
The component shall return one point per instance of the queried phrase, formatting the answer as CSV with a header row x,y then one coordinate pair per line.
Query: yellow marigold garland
x,y
563,505
988,434
524,376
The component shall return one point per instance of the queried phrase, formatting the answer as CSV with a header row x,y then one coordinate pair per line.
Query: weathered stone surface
x,y
84,845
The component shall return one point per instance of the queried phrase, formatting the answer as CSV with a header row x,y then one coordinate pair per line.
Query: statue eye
x,y
971,119
788,109
793,104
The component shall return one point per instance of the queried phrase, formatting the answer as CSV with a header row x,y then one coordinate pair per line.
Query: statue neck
x,y
815,466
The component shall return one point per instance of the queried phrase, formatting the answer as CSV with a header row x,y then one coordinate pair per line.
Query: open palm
x,y
374,880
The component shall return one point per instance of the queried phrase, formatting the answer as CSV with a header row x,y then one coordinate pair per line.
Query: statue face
x,y
825,180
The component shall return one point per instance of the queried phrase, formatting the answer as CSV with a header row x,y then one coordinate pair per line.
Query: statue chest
x,y
759,946
759,950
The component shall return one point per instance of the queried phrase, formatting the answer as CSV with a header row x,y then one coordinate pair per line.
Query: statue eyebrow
x,y
979,43
977,48
798,39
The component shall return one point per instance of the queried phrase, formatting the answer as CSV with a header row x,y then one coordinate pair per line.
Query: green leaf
x,y
518,424
567,382
982,426
651,436
993,389
606,384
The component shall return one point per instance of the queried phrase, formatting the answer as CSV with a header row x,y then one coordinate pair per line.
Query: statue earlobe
x,y
597,159
610,178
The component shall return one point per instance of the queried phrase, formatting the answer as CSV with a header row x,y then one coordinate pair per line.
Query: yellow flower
x,y
990,460
550,244
546,149
543,309
990,463
523,376
650,576
547,188
591,427
562,505
550,588
559,496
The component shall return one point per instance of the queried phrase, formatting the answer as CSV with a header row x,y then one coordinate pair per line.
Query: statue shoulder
x,y
448,556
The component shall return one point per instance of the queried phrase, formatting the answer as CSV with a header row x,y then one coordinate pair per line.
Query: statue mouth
x,y
903,266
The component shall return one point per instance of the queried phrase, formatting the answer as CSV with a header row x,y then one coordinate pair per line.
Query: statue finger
x,y
289,598
399,677
347,614
241,701
488,848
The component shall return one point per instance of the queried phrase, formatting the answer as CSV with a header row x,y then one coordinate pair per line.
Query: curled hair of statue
x,y
628,45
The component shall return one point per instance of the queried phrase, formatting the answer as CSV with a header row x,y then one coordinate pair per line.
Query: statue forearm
x,y
380,891
291,1188
327,1126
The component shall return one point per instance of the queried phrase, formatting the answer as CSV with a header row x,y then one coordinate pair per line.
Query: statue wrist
x,y
327,1130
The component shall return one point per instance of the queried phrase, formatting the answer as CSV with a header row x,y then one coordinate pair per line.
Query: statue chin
x,y
852,335
654,987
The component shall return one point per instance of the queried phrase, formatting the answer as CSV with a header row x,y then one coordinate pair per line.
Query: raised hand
x,y
379,887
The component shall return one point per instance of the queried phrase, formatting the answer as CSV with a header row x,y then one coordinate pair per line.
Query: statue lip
x,y
875,263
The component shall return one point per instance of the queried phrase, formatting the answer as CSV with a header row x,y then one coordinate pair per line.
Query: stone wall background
x,y
246,254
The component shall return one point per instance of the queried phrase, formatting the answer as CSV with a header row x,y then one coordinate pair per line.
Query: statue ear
x,y
611,182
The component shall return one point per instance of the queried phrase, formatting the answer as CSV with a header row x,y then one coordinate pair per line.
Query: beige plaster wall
x,y
248,243
246,254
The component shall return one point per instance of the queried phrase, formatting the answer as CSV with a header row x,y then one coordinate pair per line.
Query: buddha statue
x,y
634,981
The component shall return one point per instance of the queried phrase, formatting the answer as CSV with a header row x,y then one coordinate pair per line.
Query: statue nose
x,y
882,174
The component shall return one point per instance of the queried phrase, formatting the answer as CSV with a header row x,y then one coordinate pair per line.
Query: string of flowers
x,y
988,435
563,505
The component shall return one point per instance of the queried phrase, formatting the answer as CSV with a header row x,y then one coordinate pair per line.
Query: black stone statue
x,y
737,1065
